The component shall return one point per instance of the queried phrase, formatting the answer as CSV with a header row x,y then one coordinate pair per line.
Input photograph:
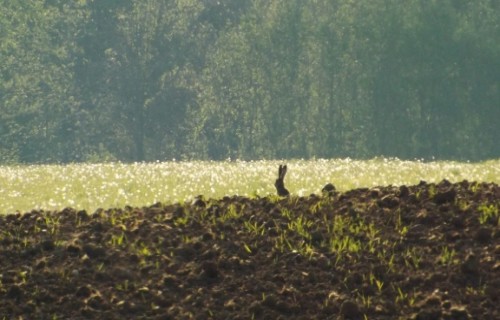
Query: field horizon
x,y
112,185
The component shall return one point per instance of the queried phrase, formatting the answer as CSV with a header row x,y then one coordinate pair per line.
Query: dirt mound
x,y
429,251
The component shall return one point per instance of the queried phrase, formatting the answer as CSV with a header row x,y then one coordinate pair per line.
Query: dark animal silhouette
x,y
328,189
280,184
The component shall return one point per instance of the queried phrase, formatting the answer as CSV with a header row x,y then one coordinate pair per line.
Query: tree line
x,y
150,80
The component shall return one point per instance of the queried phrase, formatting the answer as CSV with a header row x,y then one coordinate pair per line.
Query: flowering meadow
x,y
91,186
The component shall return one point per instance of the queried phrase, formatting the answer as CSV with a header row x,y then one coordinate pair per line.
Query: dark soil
x,y
429,251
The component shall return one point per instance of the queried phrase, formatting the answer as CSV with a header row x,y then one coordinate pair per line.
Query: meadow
x,y
111,185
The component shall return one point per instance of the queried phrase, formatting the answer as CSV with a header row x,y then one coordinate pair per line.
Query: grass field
x,y
90,186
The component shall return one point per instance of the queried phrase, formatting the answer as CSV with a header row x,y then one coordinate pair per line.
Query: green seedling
x,y
378,283
181,221
24,276
231,213
480,290
304,249
254,228
343,244
390,263
400,228
402,296
432,190
365,300
300,225
474,187
52,224
412,258
283,244
144,250
123,286
463,205
318,206
187,239
447,256
247,248
488,213
118,240
286,213
418,194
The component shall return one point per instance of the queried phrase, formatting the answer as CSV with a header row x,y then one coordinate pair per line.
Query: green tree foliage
x,y
150,80
37,52
146,69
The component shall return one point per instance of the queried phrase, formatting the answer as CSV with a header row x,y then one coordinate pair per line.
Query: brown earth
x,y
429,251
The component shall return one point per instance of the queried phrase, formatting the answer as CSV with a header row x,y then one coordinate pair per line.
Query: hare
x,y
280,184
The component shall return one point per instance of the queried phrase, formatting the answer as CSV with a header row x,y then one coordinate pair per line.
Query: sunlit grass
x,y
90,186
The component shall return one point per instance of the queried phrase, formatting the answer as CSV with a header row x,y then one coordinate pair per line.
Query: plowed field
x,y
428,251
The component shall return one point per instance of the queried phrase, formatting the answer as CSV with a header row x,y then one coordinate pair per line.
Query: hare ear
x,y
283,172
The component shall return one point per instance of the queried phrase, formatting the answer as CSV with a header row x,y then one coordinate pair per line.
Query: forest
x,y
155,80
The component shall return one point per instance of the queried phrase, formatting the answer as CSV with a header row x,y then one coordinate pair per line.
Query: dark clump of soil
x,y
429,251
